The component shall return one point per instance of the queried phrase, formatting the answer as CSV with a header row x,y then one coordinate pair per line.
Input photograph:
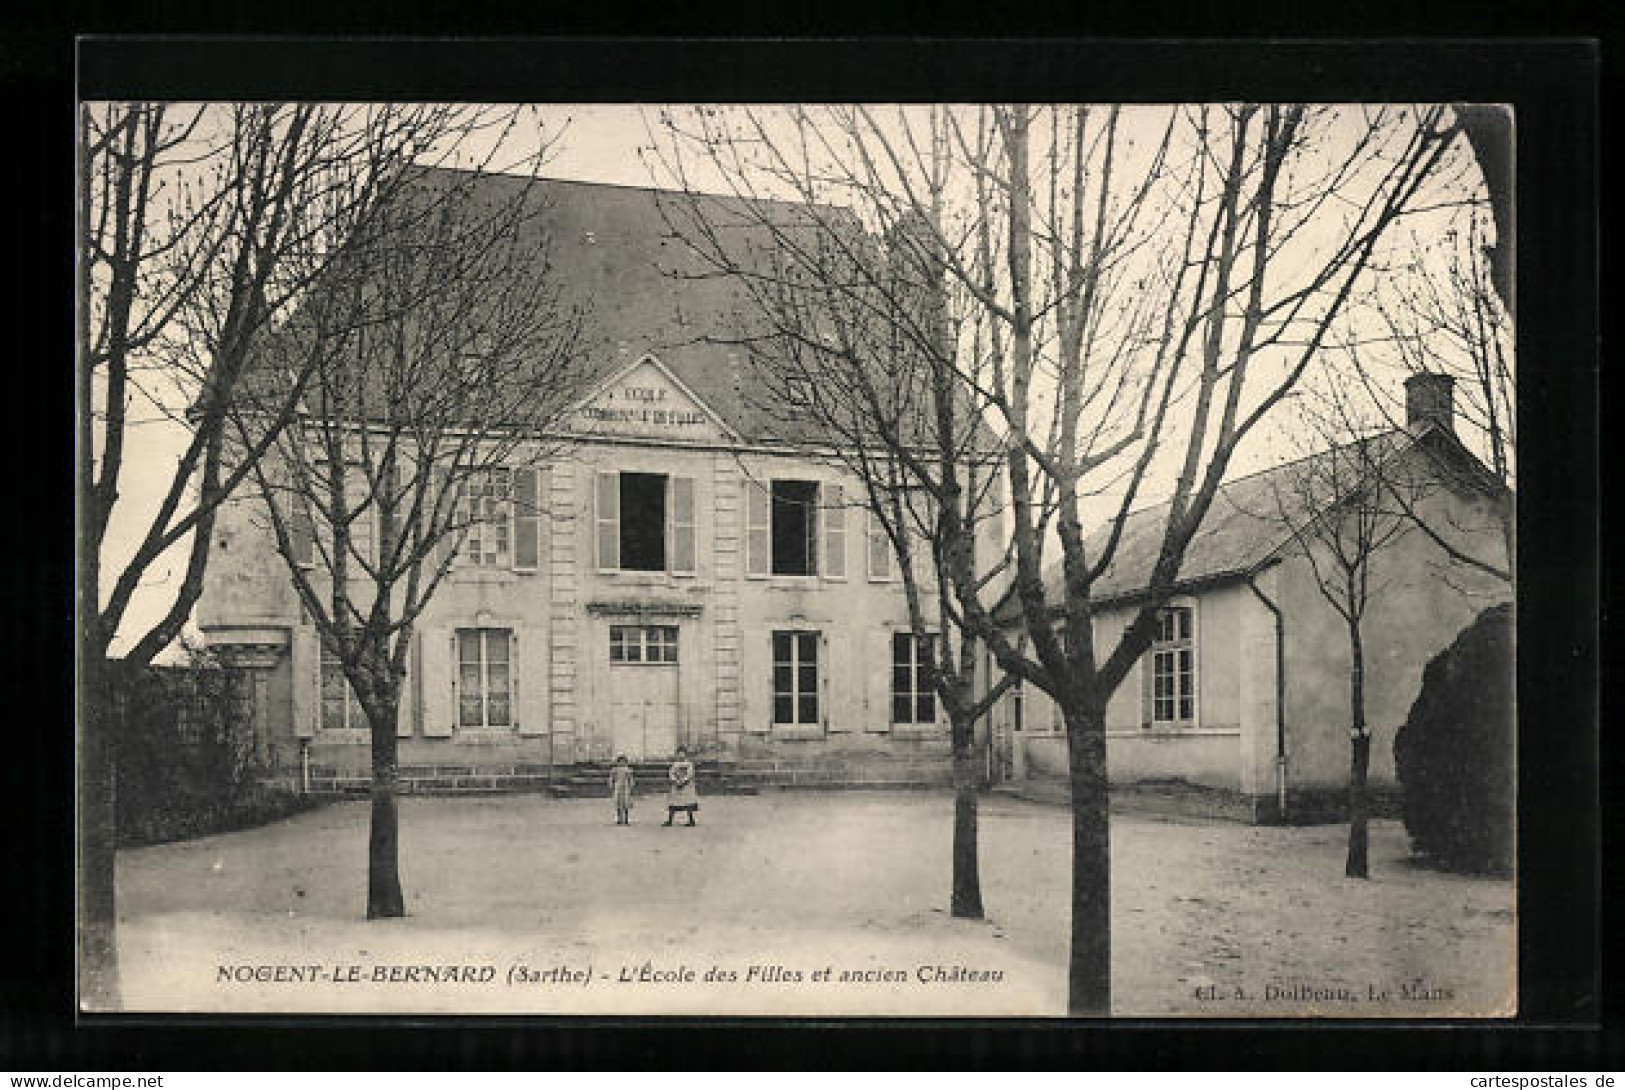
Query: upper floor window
x,y
795,527
499,515
1173,668
483,511
645,522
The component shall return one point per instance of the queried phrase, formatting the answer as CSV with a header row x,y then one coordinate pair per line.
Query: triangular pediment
x,y
646,401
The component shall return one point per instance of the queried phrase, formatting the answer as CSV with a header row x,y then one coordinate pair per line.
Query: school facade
x,y
684,573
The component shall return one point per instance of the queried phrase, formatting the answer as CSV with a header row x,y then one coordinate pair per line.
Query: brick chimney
x,y
1428,399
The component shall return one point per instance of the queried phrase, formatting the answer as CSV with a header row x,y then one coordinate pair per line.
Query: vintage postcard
x,y
949,560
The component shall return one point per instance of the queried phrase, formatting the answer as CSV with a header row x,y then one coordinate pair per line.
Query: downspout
x,y
304,766
1280,696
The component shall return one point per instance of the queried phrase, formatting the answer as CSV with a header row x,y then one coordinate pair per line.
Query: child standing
x,y
682,796
621,780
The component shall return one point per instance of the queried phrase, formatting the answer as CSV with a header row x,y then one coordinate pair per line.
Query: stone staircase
x,y
590,779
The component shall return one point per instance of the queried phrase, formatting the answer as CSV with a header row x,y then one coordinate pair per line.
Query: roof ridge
x,y
653,190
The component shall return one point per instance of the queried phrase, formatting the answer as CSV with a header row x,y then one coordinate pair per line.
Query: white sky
x,y
603,143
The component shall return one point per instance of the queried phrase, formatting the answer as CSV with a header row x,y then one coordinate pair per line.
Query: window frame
x,y
485,662
667,643
502,522
921,692
1184,681
799,639
812,530
355,716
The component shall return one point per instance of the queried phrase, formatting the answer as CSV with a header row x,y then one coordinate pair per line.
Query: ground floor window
x,y
795,677
1173,669
484,677
651,643
340,708
913,700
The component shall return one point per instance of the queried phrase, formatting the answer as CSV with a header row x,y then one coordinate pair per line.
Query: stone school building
x,y
686,574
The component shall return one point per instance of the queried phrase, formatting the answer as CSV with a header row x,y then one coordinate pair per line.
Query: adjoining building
x,y
692,570
1241,705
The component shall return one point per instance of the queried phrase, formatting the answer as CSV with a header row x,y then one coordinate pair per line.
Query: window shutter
x,y
302,533
834,532
758,538
756,681
878,683
439,698
609,521
1145,690
406,710
305,665
880,554
842,695
527,519
680,525
529,681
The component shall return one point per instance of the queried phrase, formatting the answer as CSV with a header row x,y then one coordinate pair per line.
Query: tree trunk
x,y
1089,986
97,834
1359,762
967,893
384,899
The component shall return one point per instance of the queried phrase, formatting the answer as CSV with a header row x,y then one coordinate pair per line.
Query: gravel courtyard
x,y
806,904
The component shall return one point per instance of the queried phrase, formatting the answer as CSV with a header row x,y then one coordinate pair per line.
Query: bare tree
x,y
1130,288
858,342
197,226
1448,319
1336,506
440,357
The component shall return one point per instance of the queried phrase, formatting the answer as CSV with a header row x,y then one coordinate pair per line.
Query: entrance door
x,y
643,670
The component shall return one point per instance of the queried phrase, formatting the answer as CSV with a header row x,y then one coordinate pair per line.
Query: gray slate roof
x,y
1242,529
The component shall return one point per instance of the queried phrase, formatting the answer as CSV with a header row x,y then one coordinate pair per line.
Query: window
x,y
1173,669
795,677
655,643
483,502
484,677
645,522
340,708
913,700
795,527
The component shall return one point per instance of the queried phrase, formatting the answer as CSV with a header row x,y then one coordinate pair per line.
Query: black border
x,y
1553,86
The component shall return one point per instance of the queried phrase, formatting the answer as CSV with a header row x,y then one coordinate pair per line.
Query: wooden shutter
x,y
529,672
758,533
842,692
302,533
879,550
527,519
609,521
834,532
680,525
305,663
756,680
406,712
877,685
439,670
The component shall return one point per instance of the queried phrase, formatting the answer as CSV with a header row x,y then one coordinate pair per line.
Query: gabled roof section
x,y
646,400
1246,526
617,256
